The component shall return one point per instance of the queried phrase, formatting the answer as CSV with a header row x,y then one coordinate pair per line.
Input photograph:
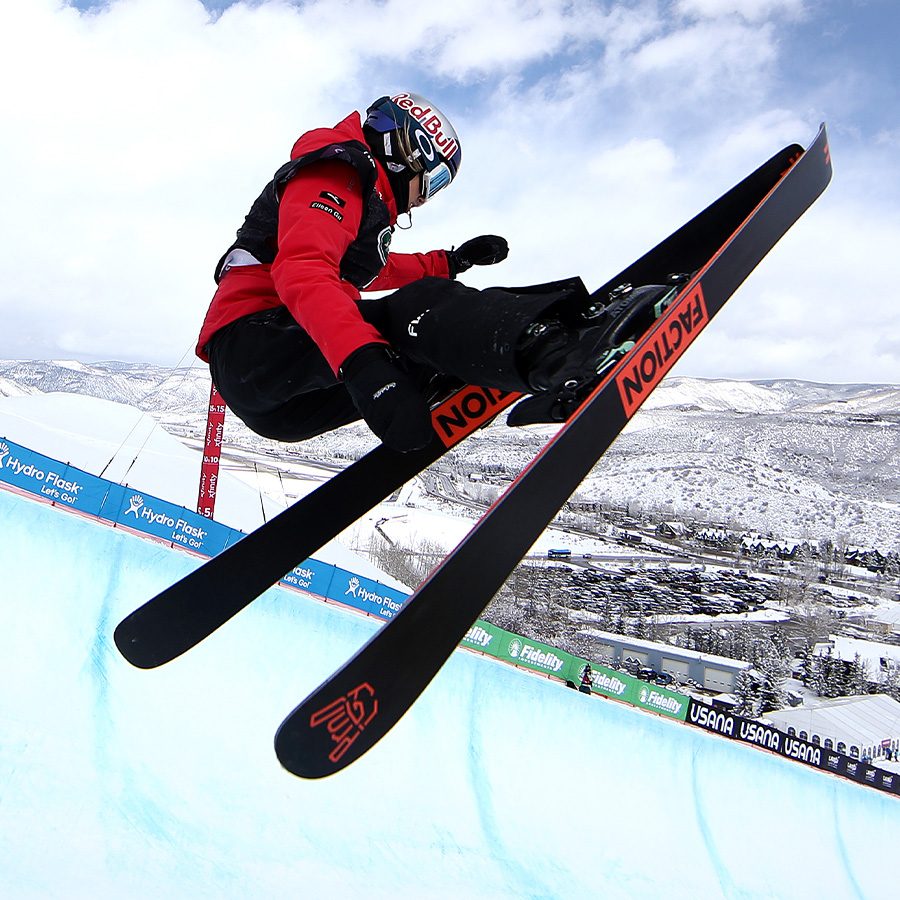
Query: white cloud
x,y
134,138
739,51
749,10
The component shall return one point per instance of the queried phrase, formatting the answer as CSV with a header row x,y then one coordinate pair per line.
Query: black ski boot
x,y
565,360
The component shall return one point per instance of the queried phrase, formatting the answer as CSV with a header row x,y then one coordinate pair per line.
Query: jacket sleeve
x,y
314,232
403,268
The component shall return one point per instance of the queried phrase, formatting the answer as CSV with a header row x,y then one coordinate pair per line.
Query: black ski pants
x,y
274,377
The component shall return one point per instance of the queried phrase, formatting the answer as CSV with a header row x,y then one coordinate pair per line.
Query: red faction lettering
x,y
681,323
467,410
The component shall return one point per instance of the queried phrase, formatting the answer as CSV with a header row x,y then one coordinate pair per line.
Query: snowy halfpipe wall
x,y
120,782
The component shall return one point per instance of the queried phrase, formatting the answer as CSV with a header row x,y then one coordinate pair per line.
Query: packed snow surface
x,y
117,782
163,783
124,445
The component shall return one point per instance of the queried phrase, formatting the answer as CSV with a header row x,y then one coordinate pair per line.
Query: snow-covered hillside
x,y
792,458
720,395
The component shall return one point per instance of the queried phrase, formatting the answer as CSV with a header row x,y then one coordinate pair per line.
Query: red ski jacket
x,y
320,215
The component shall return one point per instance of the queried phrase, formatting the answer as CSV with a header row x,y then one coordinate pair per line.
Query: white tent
x,y
870,723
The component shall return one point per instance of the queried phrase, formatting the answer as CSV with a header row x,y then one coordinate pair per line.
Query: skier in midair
x,y
294,349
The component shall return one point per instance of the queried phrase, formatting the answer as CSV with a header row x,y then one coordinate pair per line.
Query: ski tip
x,y
135,651
328,732
296,756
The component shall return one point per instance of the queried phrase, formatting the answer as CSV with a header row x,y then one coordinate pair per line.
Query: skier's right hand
x,y
387,398
486,250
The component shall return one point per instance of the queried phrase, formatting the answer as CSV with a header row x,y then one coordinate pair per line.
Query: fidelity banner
x,y
484,637
622,686
608,682
661,700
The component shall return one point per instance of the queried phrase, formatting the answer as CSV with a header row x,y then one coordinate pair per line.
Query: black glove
x,y
387,398
481,251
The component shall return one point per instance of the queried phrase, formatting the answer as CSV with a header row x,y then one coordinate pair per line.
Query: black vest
x,y
364,258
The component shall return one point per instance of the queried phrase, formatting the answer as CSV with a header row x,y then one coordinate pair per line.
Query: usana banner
x,y
748,731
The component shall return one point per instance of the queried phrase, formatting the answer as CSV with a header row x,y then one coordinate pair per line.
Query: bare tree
x,y
816,621
407,564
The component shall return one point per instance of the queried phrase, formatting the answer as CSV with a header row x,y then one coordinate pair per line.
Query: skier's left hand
x,y
485,250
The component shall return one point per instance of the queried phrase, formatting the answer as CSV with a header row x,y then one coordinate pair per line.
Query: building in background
x,y
712,673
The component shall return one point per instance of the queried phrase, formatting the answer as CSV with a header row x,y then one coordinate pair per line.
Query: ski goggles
x,y
434,180
424,158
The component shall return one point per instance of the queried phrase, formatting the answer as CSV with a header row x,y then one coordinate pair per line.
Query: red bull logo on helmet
x,y
435,123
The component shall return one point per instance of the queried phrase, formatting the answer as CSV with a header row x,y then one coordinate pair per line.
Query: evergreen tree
x,y
639,627
890,684
606,620
857,677
817,674
747,692
771,688
836,679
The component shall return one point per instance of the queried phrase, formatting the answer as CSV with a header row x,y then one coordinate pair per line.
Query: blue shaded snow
x,y
116,782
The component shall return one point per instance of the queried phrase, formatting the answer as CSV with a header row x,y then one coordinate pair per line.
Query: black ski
x,y
364,699
182,615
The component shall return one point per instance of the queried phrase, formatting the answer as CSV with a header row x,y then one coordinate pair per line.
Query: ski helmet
x,y
412,136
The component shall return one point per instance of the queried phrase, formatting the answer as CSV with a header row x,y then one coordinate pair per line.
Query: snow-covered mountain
x,y
793,458
719,395
149,388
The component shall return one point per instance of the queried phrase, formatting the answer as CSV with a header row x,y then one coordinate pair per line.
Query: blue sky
x,y
140,131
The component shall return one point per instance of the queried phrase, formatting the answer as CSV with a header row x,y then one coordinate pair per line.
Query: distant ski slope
x,y
794,458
